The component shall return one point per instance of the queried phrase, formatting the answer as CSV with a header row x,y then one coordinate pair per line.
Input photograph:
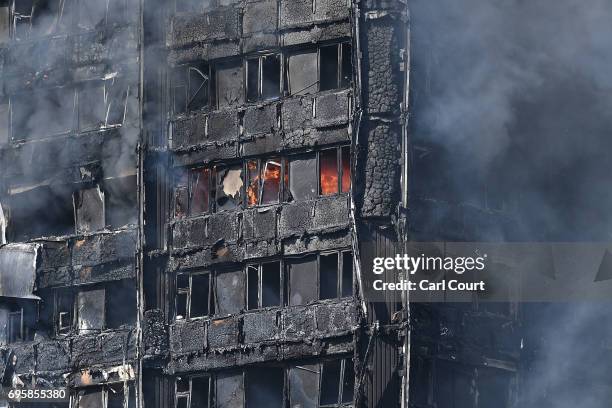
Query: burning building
x,y
190,192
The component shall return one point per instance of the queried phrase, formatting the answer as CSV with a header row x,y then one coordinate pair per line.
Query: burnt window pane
x,y
90,307
328,276
328,67
303,177
198,87
270,284
91,398
271,76
15,327
271,173
304,386
303,281
200,191
303,73
182,281
230,84
229,391
92,108
181,305
348,382
328,172
253,286
346,169
252,80
330,383
200,291
200,392
252,190
115,397
64,311
347,66
347,274
264,388
121,304
182,384
230,292
89,210
229,187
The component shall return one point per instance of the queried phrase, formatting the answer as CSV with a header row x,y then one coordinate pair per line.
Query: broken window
x,y
337,383
103,104
263,78
120,201
193,295
229,390
264,387
230,292
303,179
37,18
336,70
89,210
42,113
190,87
90,310
120,304
264,178
302,73
264,285
193,392
303,281
20,323
181,194
64,311
228,187
304,386
199,193
334,171
230,84
51,206
4,23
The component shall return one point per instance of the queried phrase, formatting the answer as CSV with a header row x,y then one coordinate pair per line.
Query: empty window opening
x,y
303,179
229,187
230,84
120,304
18,317
193,295
264,78
229,390
264,283
64,311
337,383
90,310
265,387
103,104
336,68
328,276
304,386
120,201
193,392
302,73
37,18
42,113
334,171
108,396
347,274
51,207
89,210
191,87
199,193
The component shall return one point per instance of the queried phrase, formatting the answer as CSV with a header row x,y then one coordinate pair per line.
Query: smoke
x,y
514,95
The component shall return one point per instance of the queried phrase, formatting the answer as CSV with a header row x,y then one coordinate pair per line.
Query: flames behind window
x,y
334,171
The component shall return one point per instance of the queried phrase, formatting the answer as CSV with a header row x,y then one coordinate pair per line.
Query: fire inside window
x,y
262,181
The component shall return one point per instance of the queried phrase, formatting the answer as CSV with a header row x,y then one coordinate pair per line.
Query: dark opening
x,y
181,196
348,382
117,96
179,90
120,304
271,76
64,311
330,383
347,274
182,384
182,291
271,284
264,388
328,62
200,295
199,80
200,391
252,80
229,187
347,66
115,396
91,398
328,276
92,13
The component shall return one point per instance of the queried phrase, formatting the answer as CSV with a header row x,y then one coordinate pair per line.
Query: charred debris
x,y
189,192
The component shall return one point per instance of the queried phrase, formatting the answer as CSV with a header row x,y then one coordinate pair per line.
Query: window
x,y
102,104
303,184
264,285
229,291
90,310
89,210
64,311
313,70
94,14
199,194
20,323
263,78
323,276
193,295
193,392
334,171
230,84
37,18
190,87
264,387
264,181
337,383
115,395
335,66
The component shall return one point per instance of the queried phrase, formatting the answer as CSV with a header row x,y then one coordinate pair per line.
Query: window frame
x,y
260,98
187,394
189,293
282,283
